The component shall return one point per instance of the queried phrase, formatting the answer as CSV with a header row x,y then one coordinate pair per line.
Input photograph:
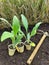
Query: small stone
x,y
38,56
14,61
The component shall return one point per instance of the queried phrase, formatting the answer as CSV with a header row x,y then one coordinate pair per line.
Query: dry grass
x,y
34,10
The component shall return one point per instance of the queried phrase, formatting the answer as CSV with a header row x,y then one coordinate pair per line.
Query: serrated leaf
x,y
6,35
32,44
15,25
34,30
24,21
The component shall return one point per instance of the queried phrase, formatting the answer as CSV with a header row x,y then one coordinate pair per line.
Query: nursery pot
x,y
20,47
11,50
27,45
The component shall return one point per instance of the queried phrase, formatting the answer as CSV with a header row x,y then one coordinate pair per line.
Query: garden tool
x,y
37,48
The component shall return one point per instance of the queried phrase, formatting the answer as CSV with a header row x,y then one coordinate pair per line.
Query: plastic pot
x,y
11,50
27,45
20,47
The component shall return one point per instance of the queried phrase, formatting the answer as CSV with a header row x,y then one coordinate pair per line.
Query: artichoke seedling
x,y
15,35
32,33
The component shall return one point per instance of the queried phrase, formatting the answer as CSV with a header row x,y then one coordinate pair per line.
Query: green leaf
x,y
19,36
24,21
22,32
28,37
15,25
32,44
34,30
6,35
37,25
18,39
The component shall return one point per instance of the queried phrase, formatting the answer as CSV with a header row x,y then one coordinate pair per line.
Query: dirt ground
x,y
41,58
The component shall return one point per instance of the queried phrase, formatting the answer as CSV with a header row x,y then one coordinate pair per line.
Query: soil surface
x,y
41,58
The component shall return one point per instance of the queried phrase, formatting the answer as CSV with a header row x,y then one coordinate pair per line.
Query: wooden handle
x,y
36,49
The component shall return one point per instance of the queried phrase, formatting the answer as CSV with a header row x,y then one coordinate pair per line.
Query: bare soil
x,y
41,58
